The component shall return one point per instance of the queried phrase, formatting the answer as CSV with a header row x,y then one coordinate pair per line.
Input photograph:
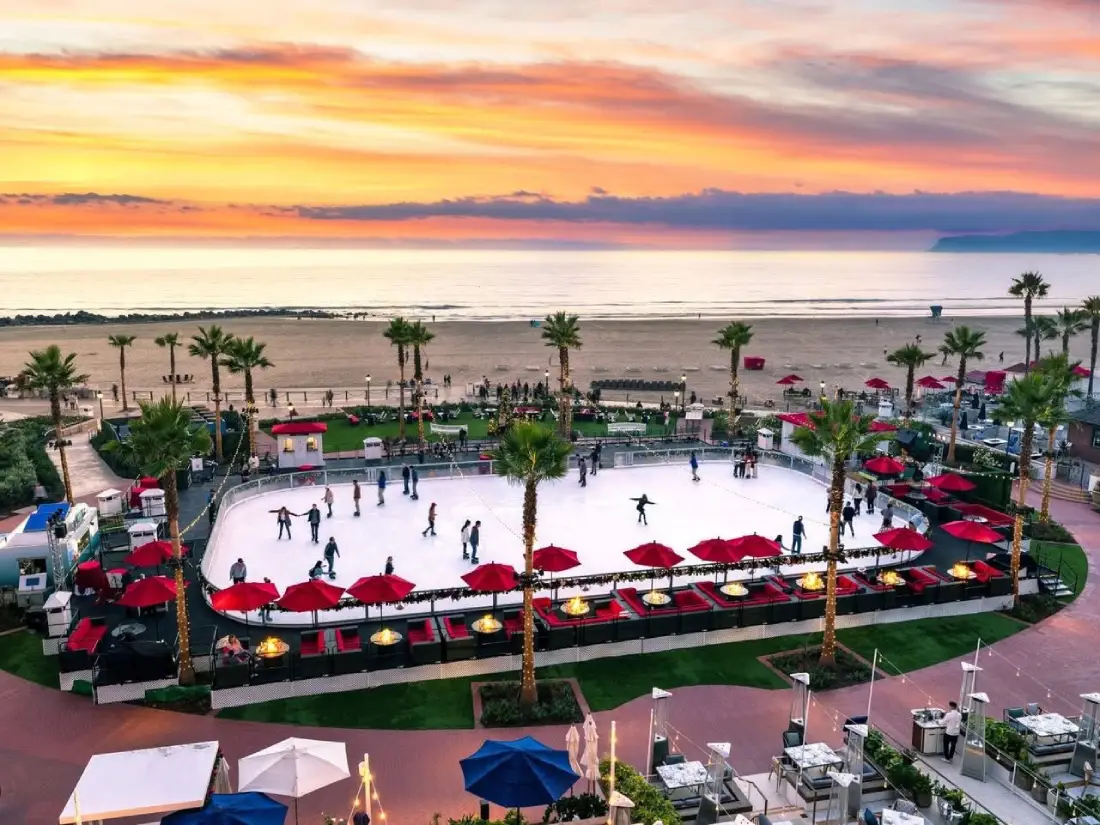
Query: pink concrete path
x,y
46,736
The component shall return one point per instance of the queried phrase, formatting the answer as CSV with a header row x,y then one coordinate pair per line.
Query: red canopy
x,y
788,380
555,559
877,384
383,589
149,592
306,597
885,466
951,483
716,550
972,531
492,578
880,426
930,383
152,553
654,554
902,538
950,379
148,482
245,596
756,547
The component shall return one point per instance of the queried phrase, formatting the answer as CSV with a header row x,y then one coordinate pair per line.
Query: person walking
x,y
752,465
582,471
414,476
331,552
406,473
643,501
888,516
872,494
389,566
465,539
381,487
431,521
798,530
952,725
475,540
283,520
356,494
848,513
328,499
594,460
238,571
694,463
265,611
314,519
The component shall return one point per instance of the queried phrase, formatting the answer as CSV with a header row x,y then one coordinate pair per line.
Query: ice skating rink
x,y
599,522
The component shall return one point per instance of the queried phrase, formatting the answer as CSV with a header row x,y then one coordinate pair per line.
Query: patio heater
x,y
658,726
1088,735
800,703
840,802
619,809
853,761
969,685
710,805
973,746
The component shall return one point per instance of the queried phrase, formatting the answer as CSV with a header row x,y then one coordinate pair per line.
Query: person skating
x,y
475,540
414,476
314,519
465,539
405,475
389,566
331,552
694,463
283,520
381,487
594,460
431,521
798,530
328,499
869,499
238,572
848,513
317,570
265,611
643,501
356,494
582,472
857,498
888,516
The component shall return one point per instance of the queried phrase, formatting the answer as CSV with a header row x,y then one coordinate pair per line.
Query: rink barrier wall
x,y
251,694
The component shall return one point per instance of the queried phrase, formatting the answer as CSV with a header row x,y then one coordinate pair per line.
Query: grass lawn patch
x,y
848,670
1069,559
501,708
913,645
21,655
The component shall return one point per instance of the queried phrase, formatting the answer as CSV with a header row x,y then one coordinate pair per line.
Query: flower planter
x,y
1039,792
1023,780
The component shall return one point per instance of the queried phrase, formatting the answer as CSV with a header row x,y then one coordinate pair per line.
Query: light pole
x,y
546,383
368,390
99,397
684,391
822,390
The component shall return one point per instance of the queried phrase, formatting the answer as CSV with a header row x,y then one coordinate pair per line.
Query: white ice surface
x,y
599,522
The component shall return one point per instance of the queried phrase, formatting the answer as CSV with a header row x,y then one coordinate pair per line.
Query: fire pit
x,y
812,581
576,606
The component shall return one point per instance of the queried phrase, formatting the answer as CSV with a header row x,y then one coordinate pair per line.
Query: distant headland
x,y
1051,242
68,319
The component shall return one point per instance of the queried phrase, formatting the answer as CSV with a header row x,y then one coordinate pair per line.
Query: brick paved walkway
x,y
48,736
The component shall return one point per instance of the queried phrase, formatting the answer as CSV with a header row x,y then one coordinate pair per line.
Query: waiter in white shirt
x,y
952,724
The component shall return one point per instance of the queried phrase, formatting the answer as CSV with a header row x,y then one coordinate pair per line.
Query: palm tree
x,y
122,341
835,434
1028,286
1069,322
530,454
1061,372
967,344
419,337
1043,328
733,337
212,343
398,334
54,373
1090,308
563,332
162,442
170,340
912,357
1026,401
243,355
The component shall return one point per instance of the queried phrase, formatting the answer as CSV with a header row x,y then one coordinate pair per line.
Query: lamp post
x,y
368,390
684,391
99,397
546,383
822,390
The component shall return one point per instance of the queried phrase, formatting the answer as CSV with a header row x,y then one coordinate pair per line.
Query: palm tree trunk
x,y
401,394
122,376
249,406
55,411
1065,343
217,381
836,503
955,412
909,393
1092,352
1048,476
172,510
567,395
528,691
1021,502
172,367
1027,338
419,378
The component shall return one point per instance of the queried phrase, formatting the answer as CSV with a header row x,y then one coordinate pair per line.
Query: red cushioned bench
x,y
845,586
421,631
86,636
984,572
311,644
456,628
920,578
683,601
767,594
609,613
348,639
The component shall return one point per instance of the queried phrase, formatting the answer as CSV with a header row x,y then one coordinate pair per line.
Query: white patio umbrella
x,y
591,757
573,746
294,768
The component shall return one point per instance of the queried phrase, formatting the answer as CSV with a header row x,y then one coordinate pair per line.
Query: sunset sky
x,y
641,122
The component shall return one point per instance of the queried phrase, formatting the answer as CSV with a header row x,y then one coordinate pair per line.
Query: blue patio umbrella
x,y
518,774
232,809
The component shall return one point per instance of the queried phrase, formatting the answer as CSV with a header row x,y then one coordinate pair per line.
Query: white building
x,y
300,444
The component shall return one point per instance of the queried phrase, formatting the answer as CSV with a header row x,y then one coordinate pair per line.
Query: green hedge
x,y
650,805
123,464
25,463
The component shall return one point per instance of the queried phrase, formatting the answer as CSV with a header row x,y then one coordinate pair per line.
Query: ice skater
x,y
857,498
328,499
643,501
317,570
582,472
798,530
848,513
283,520
414,477
465,539
888,516
238,572
475,540
356,494
381,487
872,494
389,566
314,519
694,463
406,472
431,521
331,552
594,460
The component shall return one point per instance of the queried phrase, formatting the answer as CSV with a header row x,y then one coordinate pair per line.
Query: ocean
x,y
483,285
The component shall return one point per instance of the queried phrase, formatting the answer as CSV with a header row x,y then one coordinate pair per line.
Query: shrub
x,y
848,671
1033,609
1050,531
650,805
582,806
25,463
501,708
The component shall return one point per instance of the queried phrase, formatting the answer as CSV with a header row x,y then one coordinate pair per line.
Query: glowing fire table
x,y
486,624
386,637
576,606
812,581
271,648
961,571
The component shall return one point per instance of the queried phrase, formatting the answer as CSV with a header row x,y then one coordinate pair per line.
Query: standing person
x,y
314,519
582,470
465,539
415,478
405,474
872,494
431,521
599,453
265,611
381,487
752,464
238,572
798,530
642,502
356,494
389,566
328,499
594,460
848,513
331,552
211,507
283,520
694,463
857,498
888,516
475,540
952,725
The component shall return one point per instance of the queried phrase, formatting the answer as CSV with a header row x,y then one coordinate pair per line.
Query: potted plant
x,y
1040,789
921,788
1026,769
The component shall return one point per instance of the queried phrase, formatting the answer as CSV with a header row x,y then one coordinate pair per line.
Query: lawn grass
x,y
1068,557
21,655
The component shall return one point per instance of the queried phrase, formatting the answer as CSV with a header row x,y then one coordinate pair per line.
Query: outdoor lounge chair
x,y
1011,715
425,646
458,644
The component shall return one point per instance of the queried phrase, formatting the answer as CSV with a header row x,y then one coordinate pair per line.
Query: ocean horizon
x,y
510,285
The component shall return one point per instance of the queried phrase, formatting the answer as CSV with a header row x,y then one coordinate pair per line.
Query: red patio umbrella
x,y
789,380
950,379
380,590
715,550
654,554
555,559
756,546
492,578
880,426
152,554
972,531
310,596
902,538
877,384
929,383
149,592
951,483
885,466
245,596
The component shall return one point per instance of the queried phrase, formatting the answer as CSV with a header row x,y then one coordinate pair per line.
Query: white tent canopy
x,y
142,783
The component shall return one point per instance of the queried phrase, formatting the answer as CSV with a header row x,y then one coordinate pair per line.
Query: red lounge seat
x,y
348,640
86,636
541,603
311,646
613,611
935,495
353,420
421,632
513,625
456,628
984,572
689,601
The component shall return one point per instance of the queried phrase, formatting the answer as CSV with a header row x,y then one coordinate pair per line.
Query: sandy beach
x,y
320,354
